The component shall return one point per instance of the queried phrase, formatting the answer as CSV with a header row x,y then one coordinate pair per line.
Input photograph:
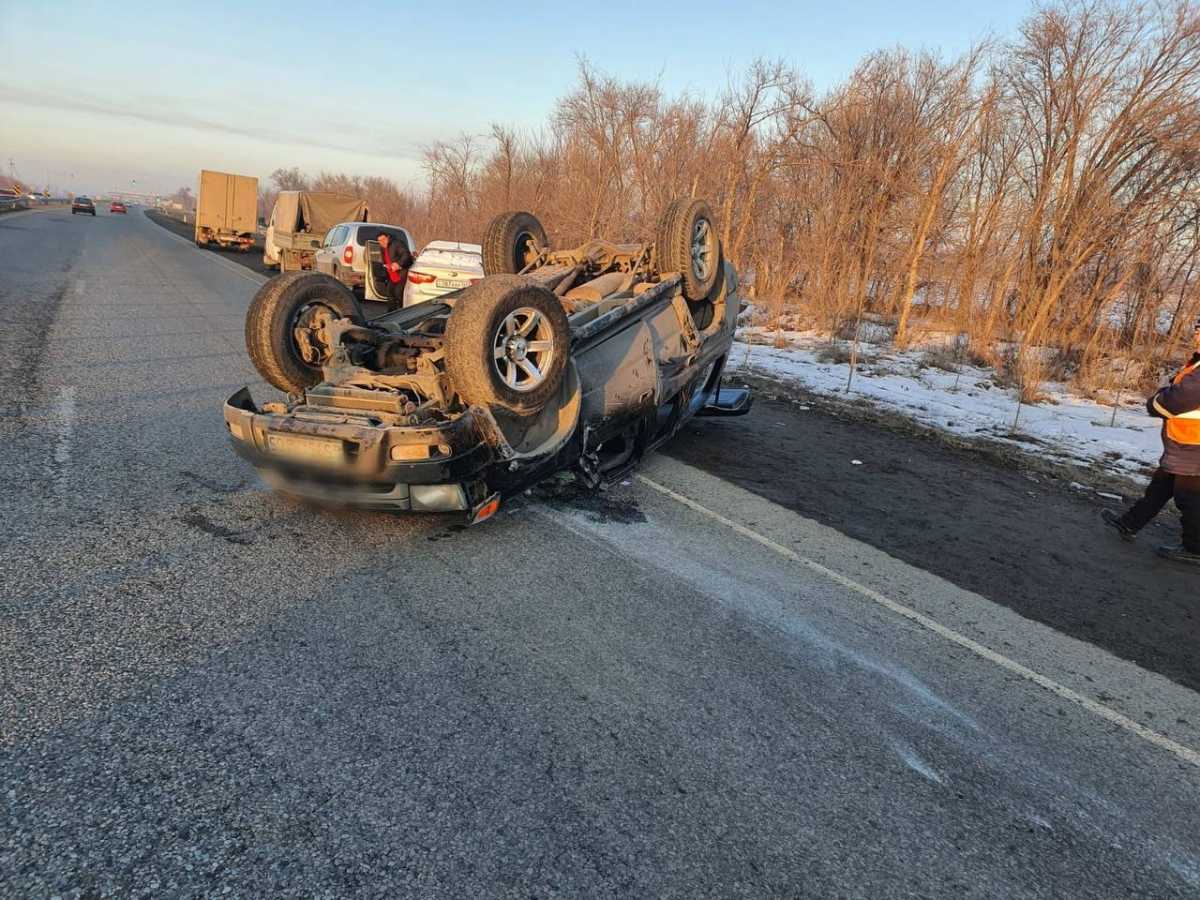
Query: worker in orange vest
x,y
1178,475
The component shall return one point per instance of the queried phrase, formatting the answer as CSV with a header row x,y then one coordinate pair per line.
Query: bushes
x,y
900,198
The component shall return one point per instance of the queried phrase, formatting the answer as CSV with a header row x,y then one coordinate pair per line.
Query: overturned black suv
x,y
579,359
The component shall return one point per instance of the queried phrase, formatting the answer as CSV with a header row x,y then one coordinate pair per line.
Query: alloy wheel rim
x,y
523,349
702,249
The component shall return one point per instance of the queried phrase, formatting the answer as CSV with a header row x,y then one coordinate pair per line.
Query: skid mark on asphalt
x,y
914,762
1186,868
1187,754
646,544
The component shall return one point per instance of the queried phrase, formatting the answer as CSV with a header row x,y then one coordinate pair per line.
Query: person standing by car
x,y
1178,475
396,262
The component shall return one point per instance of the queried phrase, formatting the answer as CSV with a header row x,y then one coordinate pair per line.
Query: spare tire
x,y
284,327
511,243
687,243
507,344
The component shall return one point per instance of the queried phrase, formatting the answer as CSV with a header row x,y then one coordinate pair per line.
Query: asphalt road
x,y
1030,542
678,688
252,259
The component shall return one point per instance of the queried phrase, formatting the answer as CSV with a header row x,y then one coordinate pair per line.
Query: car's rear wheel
x,y
687,243
507,344
286,323
512,242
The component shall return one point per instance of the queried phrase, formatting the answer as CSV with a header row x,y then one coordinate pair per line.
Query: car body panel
x,y
355,236
442,267
637,372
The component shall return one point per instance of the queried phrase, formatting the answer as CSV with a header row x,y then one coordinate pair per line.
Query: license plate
x,y
305,449
450,284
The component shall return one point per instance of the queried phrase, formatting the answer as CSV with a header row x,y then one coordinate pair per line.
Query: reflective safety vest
x,y
1182,428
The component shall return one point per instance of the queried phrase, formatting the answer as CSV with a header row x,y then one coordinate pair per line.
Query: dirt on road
x,y
1026,540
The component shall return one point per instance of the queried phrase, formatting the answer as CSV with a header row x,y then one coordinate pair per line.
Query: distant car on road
x,y
116,207
343,253
83,205
442,267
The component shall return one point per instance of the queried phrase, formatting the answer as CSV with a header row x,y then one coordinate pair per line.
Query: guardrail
x,y
8,204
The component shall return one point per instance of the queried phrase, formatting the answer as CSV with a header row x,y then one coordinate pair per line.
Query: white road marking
x,y
62,424
1161,741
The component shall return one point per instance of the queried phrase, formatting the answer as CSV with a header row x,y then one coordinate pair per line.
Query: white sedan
x,y
442,267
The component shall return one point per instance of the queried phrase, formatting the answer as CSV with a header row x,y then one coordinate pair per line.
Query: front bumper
x,y
365,465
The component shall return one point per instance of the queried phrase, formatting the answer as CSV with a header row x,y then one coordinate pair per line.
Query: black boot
x,y
1118,524
1187,499
1179,553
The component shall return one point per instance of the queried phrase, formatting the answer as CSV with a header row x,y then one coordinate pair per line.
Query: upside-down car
x,y
582,359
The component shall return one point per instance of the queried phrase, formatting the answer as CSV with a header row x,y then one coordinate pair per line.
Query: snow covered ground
x,y
969,403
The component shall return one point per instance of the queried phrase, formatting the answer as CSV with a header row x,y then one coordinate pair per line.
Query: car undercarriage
x,y
576,359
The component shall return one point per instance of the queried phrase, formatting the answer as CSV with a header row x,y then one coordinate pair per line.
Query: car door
x,y
373,271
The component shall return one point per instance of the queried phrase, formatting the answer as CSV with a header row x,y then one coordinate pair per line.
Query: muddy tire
x,y
687,243
283,327
508,244
507,344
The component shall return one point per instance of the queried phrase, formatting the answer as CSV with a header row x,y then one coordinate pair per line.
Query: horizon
x,y
223,102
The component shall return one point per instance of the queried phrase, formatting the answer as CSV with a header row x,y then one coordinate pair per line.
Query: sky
x,y
141,96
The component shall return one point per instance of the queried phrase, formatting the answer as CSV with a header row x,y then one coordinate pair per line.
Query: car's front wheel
x,y
286,323
507,344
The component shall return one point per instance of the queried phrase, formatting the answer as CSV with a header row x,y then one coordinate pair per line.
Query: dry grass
x,y
945,358
837,354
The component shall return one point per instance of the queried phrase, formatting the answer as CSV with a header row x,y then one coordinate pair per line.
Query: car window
x,y
372,233
336,236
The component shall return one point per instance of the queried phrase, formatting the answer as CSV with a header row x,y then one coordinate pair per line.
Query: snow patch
x,y
967,402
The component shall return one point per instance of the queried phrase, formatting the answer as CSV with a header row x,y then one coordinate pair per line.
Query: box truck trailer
x,y
226,210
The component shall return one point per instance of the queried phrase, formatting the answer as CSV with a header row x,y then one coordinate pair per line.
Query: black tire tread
x,y
469,333
265,335
673,251
500,236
